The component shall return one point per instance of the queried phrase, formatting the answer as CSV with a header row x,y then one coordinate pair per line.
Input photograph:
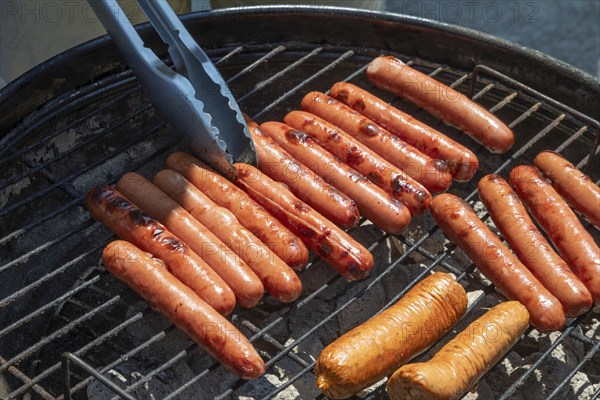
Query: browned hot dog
x,y
235,272
572,184
385,175
335,246
111,208
253,217
280,166
379,346
375,204
277,277
461,162
531,247
149,277
462,226
561,225
432,174
457,366
452,107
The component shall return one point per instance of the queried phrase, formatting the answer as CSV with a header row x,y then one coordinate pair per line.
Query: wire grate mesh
x,y
67,302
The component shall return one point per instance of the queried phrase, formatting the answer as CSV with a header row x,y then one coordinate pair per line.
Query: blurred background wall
x,y
31,31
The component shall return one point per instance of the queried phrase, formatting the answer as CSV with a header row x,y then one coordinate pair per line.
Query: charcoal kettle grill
x,y
70,330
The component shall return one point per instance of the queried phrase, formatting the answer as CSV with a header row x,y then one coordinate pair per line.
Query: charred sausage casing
x,y
149,277
253,217
462,162
277,277
511,218
235,272
462,226
560,223
379,346
111,208
389,73
335,246
281,166
457,366
375,204
359,157
572,184
432,174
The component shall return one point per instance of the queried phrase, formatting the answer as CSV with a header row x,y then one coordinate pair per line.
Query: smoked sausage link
x,y
253,217
462,226
276,276
560,223
457,366
379,346
335,246
531,247
115,211
461,162
375,204
454,108
309,187
572,184
245,284
149,278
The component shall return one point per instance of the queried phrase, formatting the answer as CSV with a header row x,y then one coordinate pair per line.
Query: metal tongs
x,y
195,100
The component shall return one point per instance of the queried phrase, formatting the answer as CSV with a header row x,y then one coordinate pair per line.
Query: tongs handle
x,y
198,106
192,62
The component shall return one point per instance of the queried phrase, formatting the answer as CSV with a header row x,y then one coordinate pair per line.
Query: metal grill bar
x,y
441,260
536,364
58,333
107,85
40,167
566,380
47,306
279,74
258,62
99,340
290,92
14,371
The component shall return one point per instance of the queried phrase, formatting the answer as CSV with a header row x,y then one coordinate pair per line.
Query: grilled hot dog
x,y
462,226
336,247
461,162
111,208
531,247
149,277
452,107
253,217
280,166
379,346
375,204
464,360
385,175
235,272
432,174
572,184
277,277
561,225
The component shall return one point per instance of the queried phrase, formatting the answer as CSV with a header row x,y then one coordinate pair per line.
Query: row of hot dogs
x,y
214,244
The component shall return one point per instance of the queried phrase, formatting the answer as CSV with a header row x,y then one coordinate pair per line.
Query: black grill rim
x,y
559,80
